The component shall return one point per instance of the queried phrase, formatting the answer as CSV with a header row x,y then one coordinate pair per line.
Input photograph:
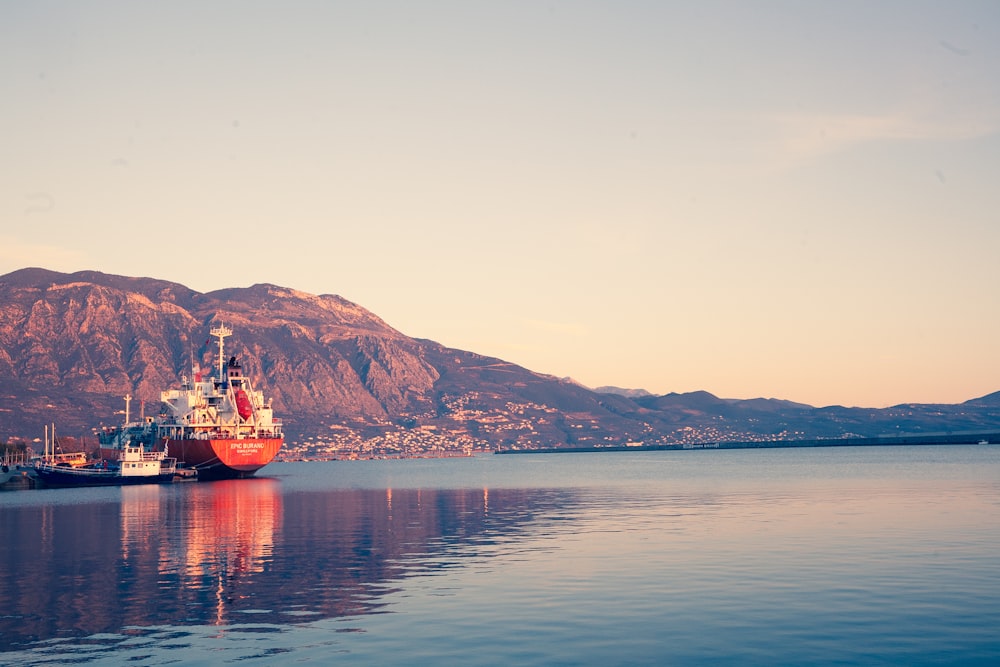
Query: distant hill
x,y
72,345
618,391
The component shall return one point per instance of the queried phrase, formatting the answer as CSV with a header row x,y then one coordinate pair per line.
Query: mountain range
x,y
73,345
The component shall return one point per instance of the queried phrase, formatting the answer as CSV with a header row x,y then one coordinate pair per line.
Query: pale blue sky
x,y
797,200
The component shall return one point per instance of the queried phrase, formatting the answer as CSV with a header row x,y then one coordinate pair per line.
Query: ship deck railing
x,y
226,434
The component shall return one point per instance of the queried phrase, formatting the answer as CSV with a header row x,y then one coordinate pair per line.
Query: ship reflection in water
x,y
222,537
231,552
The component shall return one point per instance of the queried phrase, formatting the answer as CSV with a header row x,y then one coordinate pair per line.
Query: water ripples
x,y
841,557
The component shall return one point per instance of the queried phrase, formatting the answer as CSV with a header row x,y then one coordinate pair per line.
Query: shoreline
x,y
973,438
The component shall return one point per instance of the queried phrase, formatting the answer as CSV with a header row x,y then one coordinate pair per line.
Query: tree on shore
x,y
13,447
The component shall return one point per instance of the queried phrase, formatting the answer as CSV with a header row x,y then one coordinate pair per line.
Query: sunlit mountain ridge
x,y
73,345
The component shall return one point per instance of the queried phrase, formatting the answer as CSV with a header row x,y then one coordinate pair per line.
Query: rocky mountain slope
x,y
72,345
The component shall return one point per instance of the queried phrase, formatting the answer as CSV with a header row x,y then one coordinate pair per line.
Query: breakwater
x,y
965,438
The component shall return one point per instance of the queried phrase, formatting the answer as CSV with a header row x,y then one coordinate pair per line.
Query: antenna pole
x,y
221,332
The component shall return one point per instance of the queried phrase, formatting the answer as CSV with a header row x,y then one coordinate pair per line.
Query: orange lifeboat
x,y
243,405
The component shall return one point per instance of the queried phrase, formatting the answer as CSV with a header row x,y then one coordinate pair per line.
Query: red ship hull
x,y
225,458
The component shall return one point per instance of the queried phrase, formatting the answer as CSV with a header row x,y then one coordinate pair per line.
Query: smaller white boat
x,y
134,466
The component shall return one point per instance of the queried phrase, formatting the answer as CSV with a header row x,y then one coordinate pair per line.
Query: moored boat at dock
x,y
133,466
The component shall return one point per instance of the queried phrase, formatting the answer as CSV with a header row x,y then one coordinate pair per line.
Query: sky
x,y
795,200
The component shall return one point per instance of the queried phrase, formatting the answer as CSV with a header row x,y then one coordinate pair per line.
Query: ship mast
x,y
221,332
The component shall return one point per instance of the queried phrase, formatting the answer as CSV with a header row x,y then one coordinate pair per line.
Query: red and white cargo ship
x,y
217,425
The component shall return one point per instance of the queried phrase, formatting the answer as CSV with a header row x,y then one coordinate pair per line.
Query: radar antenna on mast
x,y
221,332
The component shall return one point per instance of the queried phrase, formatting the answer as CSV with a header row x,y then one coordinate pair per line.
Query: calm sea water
x,y
881,555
